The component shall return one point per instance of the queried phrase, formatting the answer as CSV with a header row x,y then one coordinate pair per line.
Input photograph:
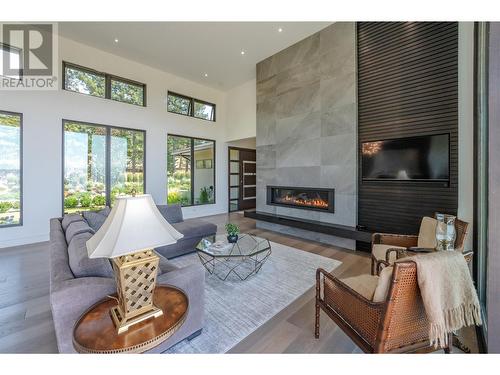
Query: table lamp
x,y
133,228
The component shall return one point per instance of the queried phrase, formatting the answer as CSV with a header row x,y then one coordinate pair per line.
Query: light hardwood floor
x,y
26,322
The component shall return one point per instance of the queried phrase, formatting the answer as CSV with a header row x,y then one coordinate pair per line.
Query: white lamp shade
x,y
134,224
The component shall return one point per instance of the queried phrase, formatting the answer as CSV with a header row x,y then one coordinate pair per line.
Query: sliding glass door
x,y
100,163
190,170
127,162
84,166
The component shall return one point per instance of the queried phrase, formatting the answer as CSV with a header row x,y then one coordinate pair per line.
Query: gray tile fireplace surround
x,y
306,127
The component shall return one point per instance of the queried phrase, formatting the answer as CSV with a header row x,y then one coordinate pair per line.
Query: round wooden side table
x,y
95,331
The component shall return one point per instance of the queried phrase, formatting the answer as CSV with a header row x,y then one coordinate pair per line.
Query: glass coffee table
x,y
238,260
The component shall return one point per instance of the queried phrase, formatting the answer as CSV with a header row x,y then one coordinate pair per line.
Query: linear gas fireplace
x,y
318,199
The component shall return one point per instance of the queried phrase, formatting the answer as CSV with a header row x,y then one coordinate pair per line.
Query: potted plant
x,y
232,232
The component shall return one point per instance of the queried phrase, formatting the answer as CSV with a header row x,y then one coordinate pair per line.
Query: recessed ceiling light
x,y
280,30
206,74
242,52
116,40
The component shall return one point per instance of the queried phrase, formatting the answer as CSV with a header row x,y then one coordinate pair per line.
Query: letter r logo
x,y
35,44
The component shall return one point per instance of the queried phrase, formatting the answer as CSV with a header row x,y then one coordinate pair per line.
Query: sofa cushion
x,y
427,233
363,284
383,284
70,218
77,227
172,213
379,251
80,263
195,228
96,218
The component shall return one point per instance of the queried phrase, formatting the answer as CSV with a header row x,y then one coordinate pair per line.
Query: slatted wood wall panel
x,y
407,86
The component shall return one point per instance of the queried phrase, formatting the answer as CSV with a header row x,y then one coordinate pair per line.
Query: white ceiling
x,y
191,49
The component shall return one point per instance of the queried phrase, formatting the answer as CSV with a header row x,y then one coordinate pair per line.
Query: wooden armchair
x,y
396,325
403,241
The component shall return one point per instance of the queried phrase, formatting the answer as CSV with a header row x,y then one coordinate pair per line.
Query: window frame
x,y
108,78
192,139
21,192
107,156
191,107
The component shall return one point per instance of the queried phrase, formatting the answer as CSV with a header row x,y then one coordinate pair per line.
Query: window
x,y
10,169
84,81
190,170
184,105
179,104
127,92
100,163
91,82
10,59
127,162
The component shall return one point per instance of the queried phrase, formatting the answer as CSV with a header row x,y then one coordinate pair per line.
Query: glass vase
x,y
445,232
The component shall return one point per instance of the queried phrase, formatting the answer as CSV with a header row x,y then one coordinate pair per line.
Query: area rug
x,y
235,309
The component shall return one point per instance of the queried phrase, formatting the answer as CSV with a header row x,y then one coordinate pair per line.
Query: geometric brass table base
x,y
123,325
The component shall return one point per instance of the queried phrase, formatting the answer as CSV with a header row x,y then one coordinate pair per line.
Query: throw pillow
x,y
427,233
96,218
77,227
80,263
70,218
172,213
384,282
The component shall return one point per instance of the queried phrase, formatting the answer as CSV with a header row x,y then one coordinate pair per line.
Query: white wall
x,y
244,143
242,111
42,133
466,125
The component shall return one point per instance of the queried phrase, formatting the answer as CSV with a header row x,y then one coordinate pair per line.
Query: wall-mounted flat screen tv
x,y
424,158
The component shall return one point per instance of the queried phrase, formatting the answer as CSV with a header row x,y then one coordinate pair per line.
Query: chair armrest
x,y
379,265
361,314
398,252
402,240
345,289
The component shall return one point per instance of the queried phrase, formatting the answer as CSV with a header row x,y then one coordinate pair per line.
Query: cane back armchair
x,y
396,325
400,241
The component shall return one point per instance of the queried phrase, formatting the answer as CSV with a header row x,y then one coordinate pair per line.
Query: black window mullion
x,y
107,91
192,171
108,166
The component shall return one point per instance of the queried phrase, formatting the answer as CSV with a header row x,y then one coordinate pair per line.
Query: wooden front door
x,y
242,179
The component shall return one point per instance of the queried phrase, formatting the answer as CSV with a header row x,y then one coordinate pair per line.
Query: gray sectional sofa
x,y
193,230
70,295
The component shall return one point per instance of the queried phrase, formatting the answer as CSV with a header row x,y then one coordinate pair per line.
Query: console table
x,y
95,331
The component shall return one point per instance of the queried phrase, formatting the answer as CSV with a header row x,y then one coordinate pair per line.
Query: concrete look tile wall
x,y
306,122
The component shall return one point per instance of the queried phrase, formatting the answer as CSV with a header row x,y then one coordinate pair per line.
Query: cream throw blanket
x,y
448,293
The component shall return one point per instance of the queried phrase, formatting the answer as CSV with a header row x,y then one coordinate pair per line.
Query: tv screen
x,y
418,158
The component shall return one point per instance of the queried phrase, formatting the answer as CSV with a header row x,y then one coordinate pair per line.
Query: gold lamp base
x,y
135,276
122,325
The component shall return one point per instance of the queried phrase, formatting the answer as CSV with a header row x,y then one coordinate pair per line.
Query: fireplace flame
x,y
303,201
371,148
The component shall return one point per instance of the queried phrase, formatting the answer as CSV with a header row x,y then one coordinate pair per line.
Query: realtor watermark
x,y
29,56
